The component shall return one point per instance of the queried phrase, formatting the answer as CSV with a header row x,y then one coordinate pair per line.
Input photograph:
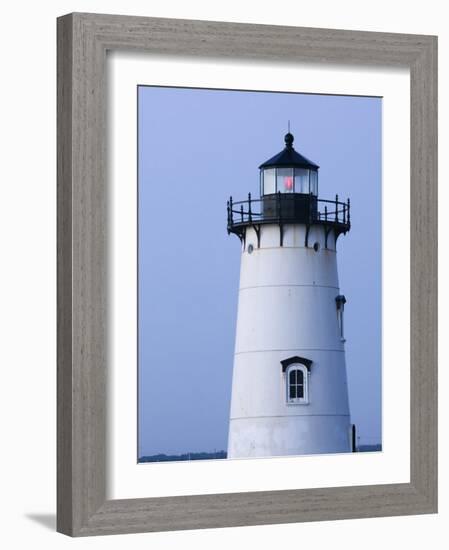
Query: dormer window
x,y
297,384
297,372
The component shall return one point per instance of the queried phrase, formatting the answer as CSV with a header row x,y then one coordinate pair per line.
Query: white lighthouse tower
x,y
289,387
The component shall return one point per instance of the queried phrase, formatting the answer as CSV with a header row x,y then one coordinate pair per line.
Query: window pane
x,y
285,180
300,391
302,180
299,377
314,182
292,392
269,181
293,376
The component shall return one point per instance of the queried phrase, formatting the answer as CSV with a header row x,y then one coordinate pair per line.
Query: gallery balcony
x,y
283,209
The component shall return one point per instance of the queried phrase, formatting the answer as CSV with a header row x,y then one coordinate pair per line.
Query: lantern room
x,y
288,195
288,172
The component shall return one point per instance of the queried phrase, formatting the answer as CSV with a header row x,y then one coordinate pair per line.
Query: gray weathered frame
x,y
83,40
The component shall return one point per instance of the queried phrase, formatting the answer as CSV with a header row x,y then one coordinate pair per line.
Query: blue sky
x,y
196,148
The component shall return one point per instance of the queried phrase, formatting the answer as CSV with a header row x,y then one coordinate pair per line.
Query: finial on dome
x,y
289,138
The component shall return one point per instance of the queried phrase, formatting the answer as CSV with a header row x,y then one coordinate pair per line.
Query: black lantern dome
x,y
289,157
289,172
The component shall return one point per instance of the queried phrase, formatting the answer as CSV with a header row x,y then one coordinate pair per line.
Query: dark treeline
x,y
186,456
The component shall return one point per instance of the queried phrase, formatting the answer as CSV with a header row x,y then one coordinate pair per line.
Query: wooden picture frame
x,y
83,40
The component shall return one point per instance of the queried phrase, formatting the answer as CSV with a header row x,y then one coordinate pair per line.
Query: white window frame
x,y
297,400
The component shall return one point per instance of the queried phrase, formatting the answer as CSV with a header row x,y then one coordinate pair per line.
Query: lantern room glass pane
x,y
302,180
314,182
285,181
269,181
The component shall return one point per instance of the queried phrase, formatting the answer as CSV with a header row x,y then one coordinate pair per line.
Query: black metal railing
x,y
286,208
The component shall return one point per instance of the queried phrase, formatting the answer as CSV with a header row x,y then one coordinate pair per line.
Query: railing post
x,y
241,212
349,211
250,217
230,209
325,213
279,205
336,208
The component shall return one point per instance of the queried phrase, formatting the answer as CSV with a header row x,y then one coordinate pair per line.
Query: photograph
x,y
255,337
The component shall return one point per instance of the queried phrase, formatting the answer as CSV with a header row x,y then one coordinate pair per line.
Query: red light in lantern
x,y
288,183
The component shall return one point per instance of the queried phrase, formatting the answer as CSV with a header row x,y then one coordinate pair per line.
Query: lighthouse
x,y
289,384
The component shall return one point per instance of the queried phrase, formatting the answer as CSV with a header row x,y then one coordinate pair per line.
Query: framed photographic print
x,y
290,321
246,274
